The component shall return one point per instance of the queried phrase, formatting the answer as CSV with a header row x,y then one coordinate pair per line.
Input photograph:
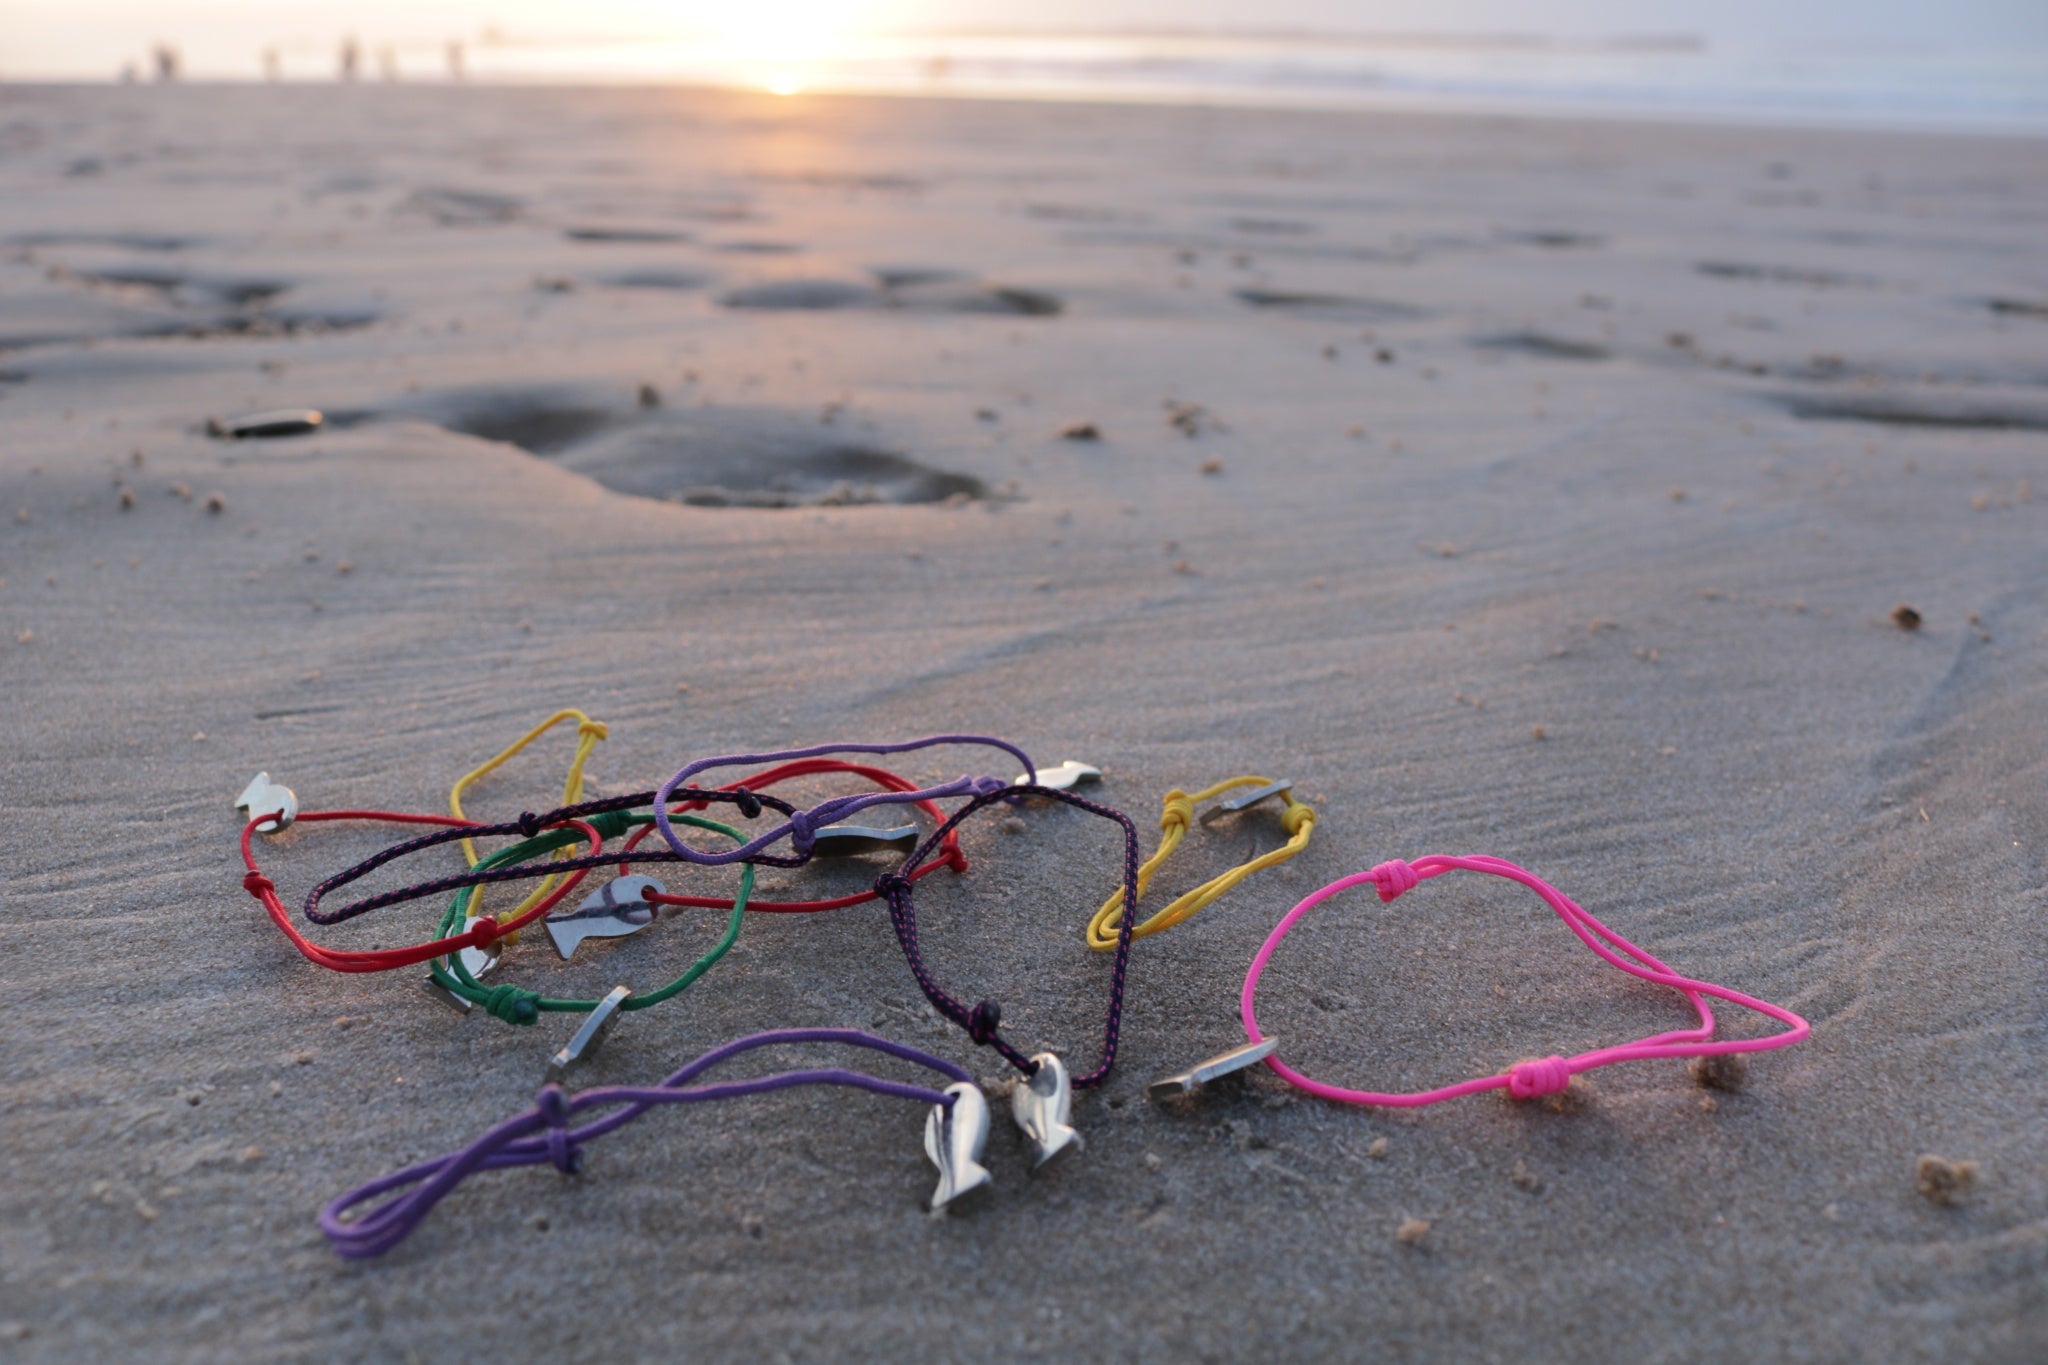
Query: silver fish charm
x,y
1042,1104
953,1138
1245,800
1199,1075
264,797
614,910
848,841
287,422
590,1036
478,962
1071,773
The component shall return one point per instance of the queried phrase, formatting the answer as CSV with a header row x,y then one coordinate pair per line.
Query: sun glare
x,y
777,45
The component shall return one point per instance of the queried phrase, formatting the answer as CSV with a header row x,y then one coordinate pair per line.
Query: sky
x,y
91,38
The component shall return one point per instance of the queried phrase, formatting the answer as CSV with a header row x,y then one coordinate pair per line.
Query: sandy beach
x,y
1535,488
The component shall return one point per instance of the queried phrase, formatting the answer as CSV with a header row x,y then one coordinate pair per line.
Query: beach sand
x,y
1532,488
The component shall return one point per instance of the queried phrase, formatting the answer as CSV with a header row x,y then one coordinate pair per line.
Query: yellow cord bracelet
x,y
1298,819
588,733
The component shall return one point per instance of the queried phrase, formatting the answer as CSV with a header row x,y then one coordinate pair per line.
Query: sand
x,y
1532,488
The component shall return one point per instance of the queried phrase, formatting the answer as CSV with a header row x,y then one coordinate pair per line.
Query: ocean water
x,y
1655,77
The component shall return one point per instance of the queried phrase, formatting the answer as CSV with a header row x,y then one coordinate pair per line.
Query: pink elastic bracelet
x,y
1548,1075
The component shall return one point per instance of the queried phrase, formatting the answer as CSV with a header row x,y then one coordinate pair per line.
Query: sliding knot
x,y
258,885
1298,816
1177,813
983,1022
1394,877
529,824
553,1104
955,859
593,729
891,886
484,932
513,1004
803,832
1538,1077
748,803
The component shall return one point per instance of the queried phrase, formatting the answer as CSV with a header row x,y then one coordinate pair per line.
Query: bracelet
x,y
456,981
983,1021
949,845
954,1133
1548,1075
588,733
482,934
1297,819
802,826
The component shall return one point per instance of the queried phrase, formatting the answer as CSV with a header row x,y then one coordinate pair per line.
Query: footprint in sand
x,y
706,457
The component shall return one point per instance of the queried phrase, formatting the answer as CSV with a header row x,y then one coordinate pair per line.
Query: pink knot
x,y
1392,878
1535,1079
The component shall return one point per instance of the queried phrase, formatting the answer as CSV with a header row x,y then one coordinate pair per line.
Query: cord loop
x,y
593,729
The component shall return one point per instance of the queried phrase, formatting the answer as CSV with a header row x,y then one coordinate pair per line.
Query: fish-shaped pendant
x,y
273,799
954,1136
614,910
1042,1104
590,1036
1071,773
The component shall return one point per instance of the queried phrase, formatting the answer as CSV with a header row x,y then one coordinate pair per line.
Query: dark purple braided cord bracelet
x,y
982,1022
543,1134
530,826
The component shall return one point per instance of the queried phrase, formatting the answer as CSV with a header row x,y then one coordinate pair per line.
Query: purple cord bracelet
x,y
542,1133
802,826
983,1020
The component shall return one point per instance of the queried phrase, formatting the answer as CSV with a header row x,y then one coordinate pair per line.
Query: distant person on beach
x,y
387,62
273,65
455,66
351,58
168,62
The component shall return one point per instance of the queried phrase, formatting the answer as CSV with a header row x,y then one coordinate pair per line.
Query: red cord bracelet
x,y
482,934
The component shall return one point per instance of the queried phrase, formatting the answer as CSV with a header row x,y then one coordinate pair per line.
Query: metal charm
x,y
478,961
1195,1077
1071,773
1042,1103
587,1039
847,841
264,797
1245,800
288,422
953,1139
460,1004
614,910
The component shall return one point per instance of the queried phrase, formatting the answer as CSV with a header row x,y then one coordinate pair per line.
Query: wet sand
x,y
1530,488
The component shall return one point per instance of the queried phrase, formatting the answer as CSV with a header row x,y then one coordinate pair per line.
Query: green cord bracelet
x,y
517,1004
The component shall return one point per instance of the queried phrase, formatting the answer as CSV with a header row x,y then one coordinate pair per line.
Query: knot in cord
x,y
803,832
484,932
892,885
529,824
749,804
1394,877
513,1004
258,885
1297,816
553,1104
593,729
1539,1077
955,859
983,1022
987,786
1177,813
